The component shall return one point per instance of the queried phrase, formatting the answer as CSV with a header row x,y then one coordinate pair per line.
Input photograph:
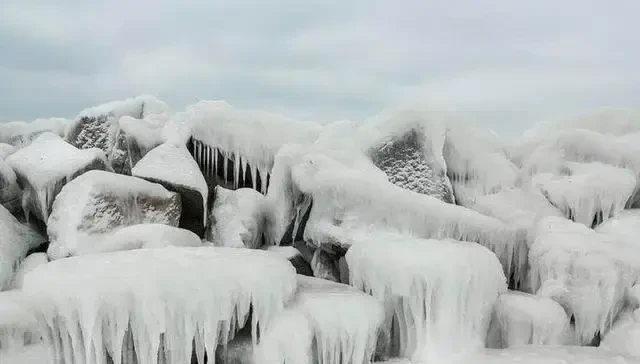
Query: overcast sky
x,y
506,63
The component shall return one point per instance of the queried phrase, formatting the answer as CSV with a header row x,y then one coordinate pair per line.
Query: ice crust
x,y
158,301
439,294
326,323
237,218
20,133
549,355
18,324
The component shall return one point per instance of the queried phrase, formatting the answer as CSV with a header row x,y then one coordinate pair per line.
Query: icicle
x,y
254,177
263,180
196,153
244,170
225,166
236,169
214,156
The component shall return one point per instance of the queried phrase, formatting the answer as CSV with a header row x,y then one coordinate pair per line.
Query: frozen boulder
x,y
412,165
16,240
294,256
161,165
99,203
20,134
45,166
522,319
135,138
98,127
29,263
625,335
237,218
6,150
238,351
18,324
325,266
10,194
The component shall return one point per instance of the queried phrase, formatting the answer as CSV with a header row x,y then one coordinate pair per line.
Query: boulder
x,y
10,193
16,240
160,166
135,138
99,203
20,134
45,166
325,266
237,218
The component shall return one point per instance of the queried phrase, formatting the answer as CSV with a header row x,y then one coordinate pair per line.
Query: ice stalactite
x,y
163,304
439,294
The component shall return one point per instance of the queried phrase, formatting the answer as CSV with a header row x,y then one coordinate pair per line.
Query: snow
x,y
140,107
162,163
521,319
237,218
179,294
146,132
18,133
341,321
28,264
440,292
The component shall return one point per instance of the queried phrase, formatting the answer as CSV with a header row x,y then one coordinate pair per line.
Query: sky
x,y
503,63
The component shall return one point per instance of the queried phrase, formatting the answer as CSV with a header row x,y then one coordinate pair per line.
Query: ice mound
x,y
549,355
522,319
16,240
20,134
326,323
439,293
591,272
161,165
99,202
45,166
588,193
160,302
27,265
237,218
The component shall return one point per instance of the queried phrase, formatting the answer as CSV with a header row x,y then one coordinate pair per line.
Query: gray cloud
x,y
504,63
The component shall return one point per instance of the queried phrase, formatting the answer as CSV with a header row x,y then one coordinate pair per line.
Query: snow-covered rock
x,y
237,218
100,202
200,295
625,226
10,194
439,294
6,150
45,166
294,256
135,138
173,167
532,354
524,319
16,240
326,323
18,324
28,264
625,335
20,134
325,266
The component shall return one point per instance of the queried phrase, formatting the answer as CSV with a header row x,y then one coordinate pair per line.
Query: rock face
x,y
15,241
408,165
161,164
294,256
237,218
100,202
45,166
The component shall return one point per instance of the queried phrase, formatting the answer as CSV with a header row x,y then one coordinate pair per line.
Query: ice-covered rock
x,y
294,256
237,218
439,294
532,354
10,194
6,150
98,127
326,323
625,226
135,138
100,202
161,165
16,240
158,301
325,266
625,335
523,319
18,324
45,166
28,264
20,134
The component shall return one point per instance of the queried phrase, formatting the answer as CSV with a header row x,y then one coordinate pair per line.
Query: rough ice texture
x,y
588,193
45,166
27,265
20,134
237,218
625,226
326,323
135,138
16,240
439,293
588,273
522,319
151,304
98,127
294,256
533,354
100,202
173,167
6,150
18,324
10,194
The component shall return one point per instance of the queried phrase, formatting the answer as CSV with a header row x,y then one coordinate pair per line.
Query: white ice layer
x,y
625,227
18,325
625,335
326,323
440,293
28,264
237,218
6,150
20,128
591,272
162,164
163,300
138,107
146,132
533,354
523,319
48,160
588,193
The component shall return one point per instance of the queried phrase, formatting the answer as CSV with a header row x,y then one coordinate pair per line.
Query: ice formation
x,y
135,138
156,304
439,293
625,226
46,165
100,202
6,150
522,319
625,335
27,265
18,325
533,354
20,134
237,218
326,323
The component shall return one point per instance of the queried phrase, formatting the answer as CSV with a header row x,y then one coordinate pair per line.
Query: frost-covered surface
x,y
20,134
237,218
625,226
18,325
522,319
625,335
549,355
588,272
168,297
16,240
100,202
439,293
162,164
9,189
6,150
588,193
46,165
135,138
326,323
27,265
